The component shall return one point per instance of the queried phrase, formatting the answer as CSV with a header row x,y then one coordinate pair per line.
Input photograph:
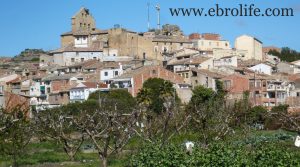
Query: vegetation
x,y
115,129
286,54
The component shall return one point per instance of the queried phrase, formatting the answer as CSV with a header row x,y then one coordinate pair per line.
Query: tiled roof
x,y
96,47
85,32
53,77
212,74
193,61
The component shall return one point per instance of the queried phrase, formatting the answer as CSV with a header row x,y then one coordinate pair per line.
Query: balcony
x,y
276,88
182,69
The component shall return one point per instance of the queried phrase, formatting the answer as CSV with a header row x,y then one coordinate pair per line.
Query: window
x,y
84,38
72,60
227,84
186,75
89,26
181,44
82,59
42,61
153,71
94,58
196,81
116,73
105,73
80,26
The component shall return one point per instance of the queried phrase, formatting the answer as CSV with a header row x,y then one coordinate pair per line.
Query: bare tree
x,y
109,131
58,124
15,131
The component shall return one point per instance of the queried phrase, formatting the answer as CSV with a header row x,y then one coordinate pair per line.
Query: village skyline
x,y
41,26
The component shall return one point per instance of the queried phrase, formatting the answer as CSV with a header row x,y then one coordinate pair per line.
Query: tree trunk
x,y
15,163
104,162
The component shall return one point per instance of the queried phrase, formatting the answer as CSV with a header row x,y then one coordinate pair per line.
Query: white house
x,y
82,91
67,58
226,61
262,68
108,73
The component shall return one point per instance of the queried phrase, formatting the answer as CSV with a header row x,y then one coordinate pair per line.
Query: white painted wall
x,y
65,58
81,41
226,61
262,68
81,94
108,74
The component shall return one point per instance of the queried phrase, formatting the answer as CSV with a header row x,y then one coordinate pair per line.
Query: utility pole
x,y
254,93
158,16
148,5
275,94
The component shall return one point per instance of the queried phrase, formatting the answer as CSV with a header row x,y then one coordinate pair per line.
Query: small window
x,y
153,71
181,44
82,59
116,73
196,81
80,26
105,73
94,58
84,38
72,60
186,75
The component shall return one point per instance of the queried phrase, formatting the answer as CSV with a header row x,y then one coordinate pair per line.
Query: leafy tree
x,y
286,54
15,132
153,92
160,117
209,114
116,100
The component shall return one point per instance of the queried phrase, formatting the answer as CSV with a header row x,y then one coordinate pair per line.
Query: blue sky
x,y
39,23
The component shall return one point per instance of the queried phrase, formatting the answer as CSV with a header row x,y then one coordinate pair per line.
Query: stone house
x,y
205,78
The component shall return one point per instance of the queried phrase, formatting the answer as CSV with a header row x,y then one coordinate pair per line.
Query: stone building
x,y
252,45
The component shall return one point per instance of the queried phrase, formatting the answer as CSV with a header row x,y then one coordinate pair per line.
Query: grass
x,y
49,153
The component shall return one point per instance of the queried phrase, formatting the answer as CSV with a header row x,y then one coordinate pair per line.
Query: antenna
x,y
148,5
158,15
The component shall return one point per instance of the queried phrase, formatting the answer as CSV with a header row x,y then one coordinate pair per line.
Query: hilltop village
x,y
91,59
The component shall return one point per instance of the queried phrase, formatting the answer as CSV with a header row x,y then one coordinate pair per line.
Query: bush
x,y
216,155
